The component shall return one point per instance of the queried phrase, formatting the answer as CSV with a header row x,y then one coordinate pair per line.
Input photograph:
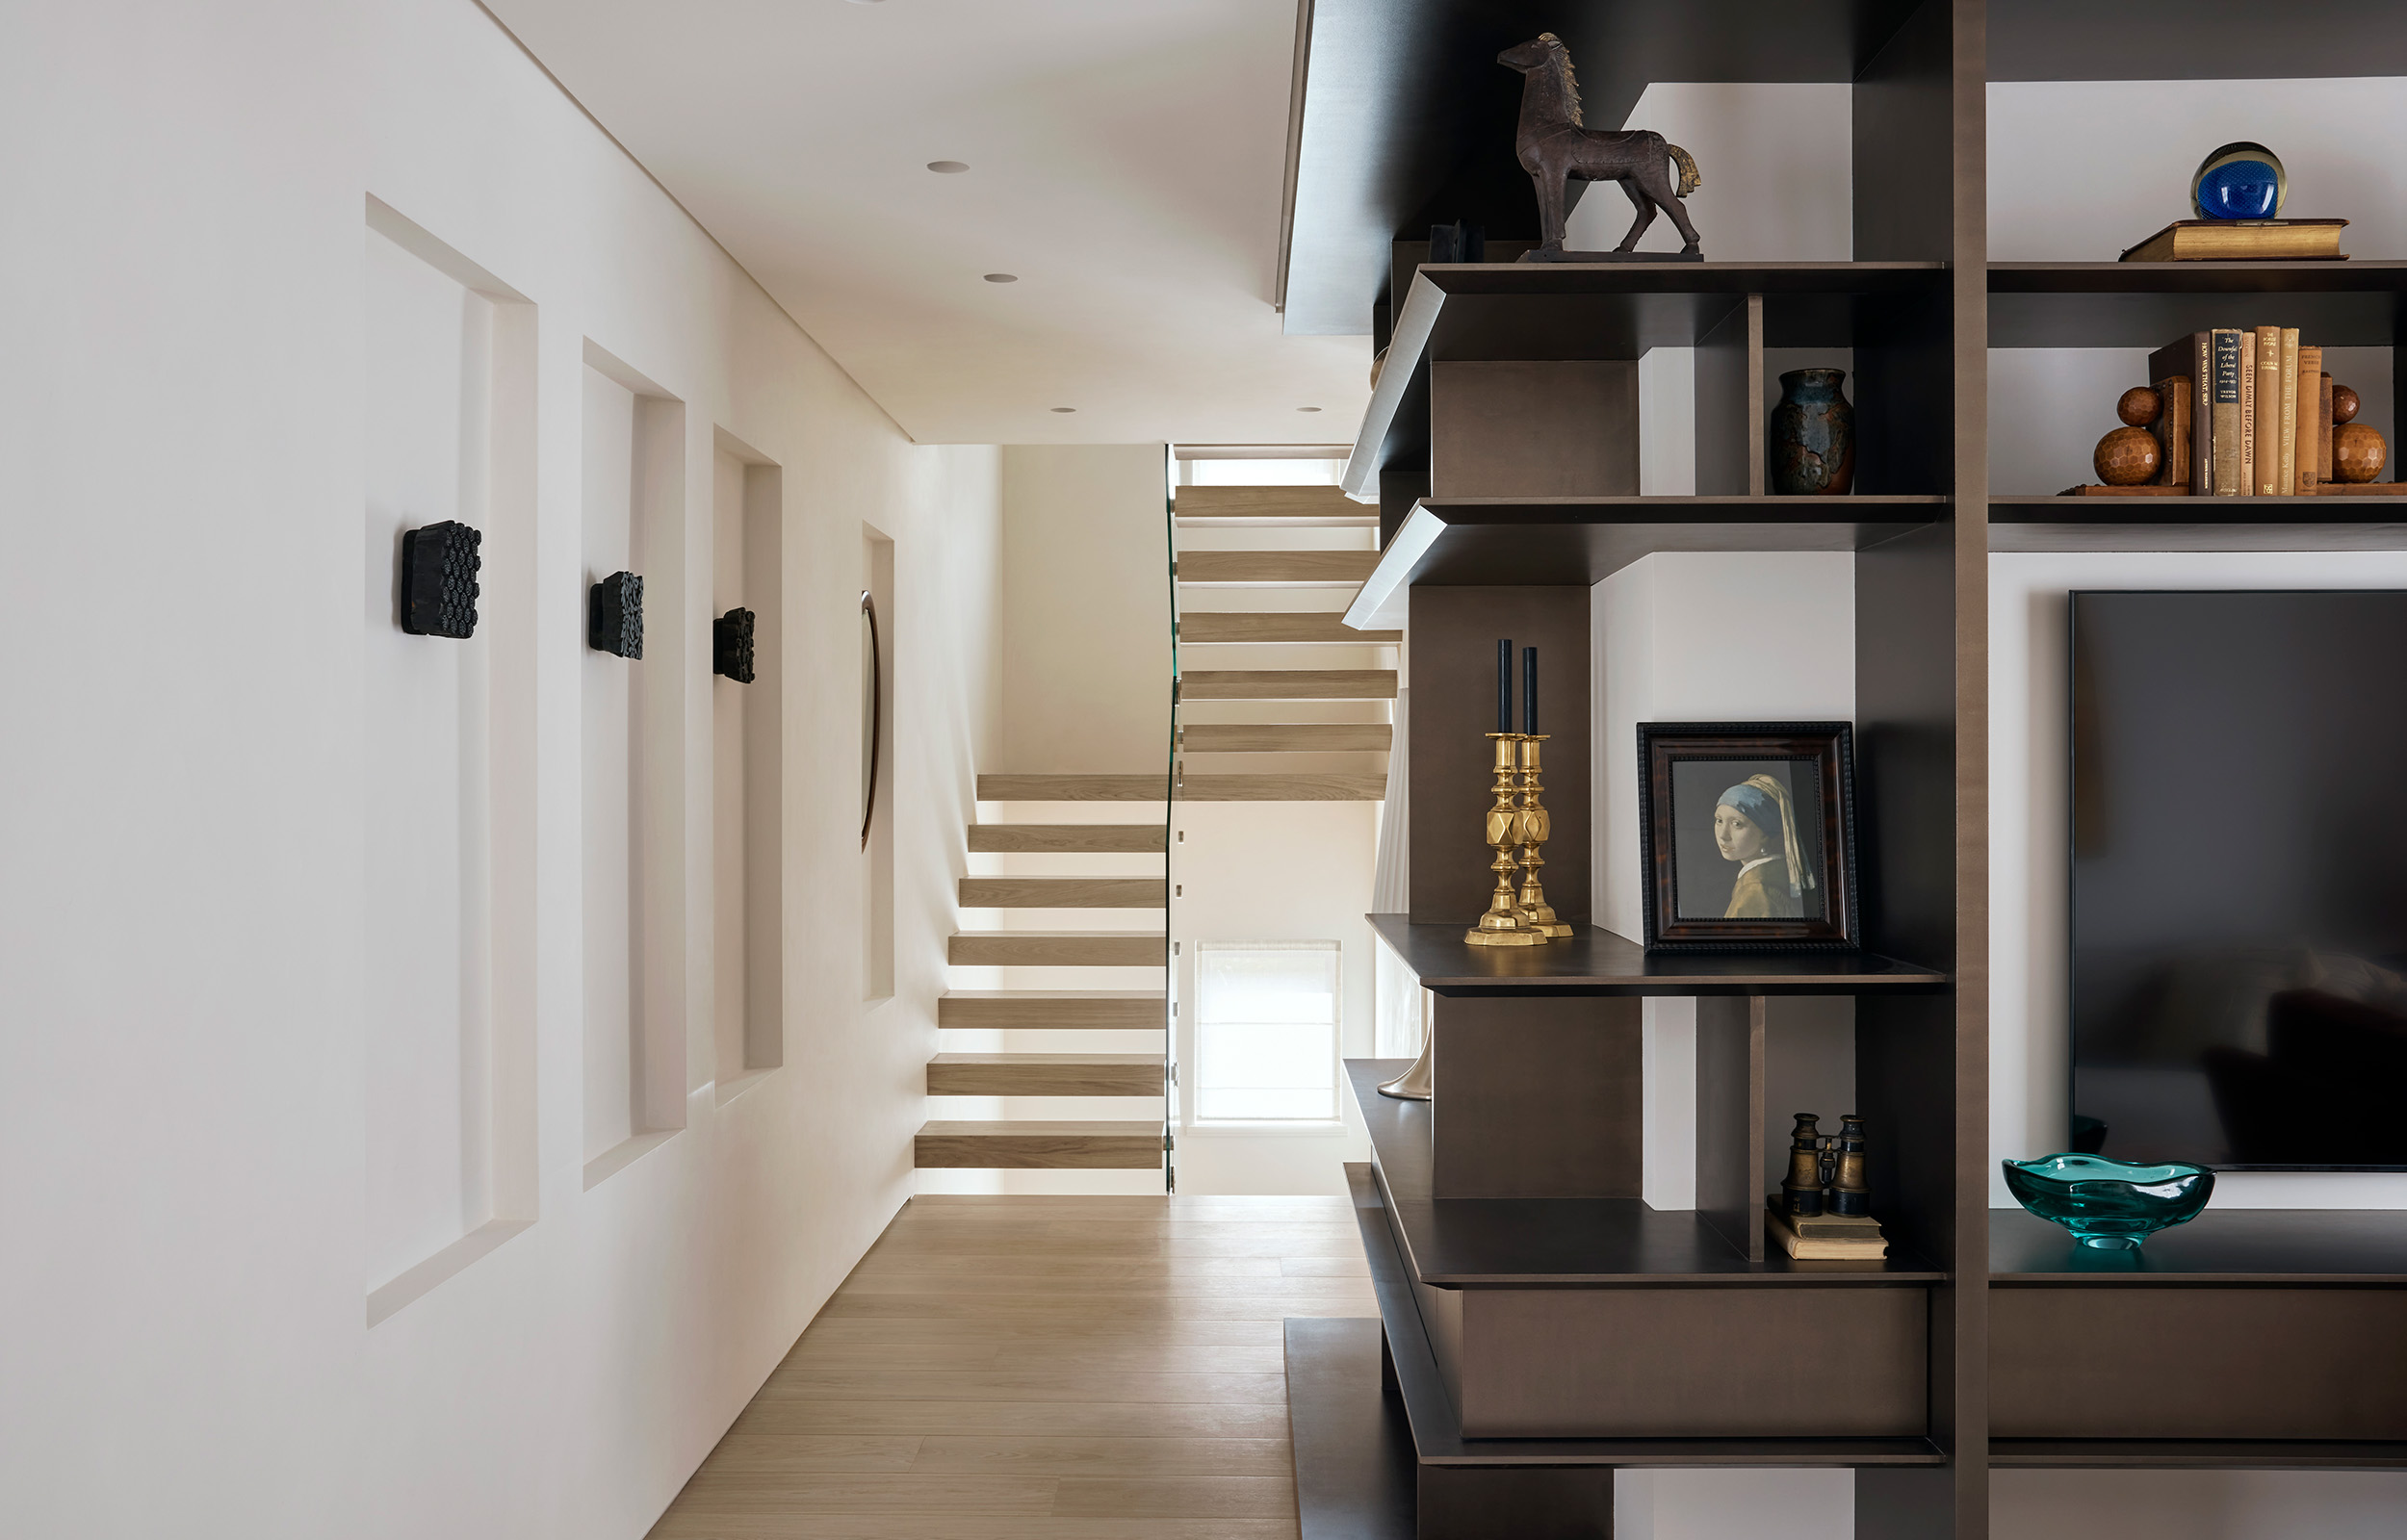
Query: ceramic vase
x,y
1813,435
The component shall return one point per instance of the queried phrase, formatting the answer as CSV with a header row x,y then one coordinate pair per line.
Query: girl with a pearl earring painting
x,y
1755,826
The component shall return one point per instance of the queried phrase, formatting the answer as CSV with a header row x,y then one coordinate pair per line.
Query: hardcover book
x,y
2243,240
2310,391
2249,343
2191,358
2286,426
2226,428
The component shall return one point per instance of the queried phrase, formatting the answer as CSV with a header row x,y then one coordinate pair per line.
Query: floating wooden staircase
x,y
1348,766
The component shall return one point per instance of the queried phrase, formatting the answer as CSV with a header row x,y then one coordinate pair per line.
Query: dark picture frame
x,y
1801,775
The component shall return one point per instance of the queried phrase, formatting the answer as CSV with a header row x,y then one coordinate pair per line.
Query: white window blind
x,y
1266,1031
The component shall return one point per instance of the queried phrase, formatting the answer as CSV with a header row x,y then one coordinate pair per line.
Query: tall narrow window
x,y
1266,1031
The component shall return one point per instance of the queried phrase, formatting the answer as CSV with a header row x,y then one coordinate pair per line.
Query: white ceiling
x,y
1125,161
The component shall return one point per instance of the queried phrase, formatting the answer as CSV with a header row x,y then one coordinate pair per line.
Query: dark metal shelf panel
x,y
2334,522
2217,39
1566,1241
2148,304
2222,1246
2211,1454
1438,1434
1597,962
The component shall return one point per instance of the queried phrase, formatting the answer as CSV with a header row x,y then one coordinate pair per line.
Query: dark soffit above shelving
x,y
1408,118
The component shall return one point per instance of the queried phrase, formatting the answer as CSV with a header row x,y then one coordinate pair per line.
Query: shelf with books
x,y
2176,524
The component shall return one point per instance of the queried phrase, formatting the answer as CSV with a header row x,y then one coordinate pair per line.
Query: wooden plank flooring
x,y
1041,1369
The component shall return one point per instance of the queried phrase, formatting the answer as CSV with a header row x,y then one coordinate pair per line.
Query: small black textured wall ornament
x,y
439,567
614,620
731,645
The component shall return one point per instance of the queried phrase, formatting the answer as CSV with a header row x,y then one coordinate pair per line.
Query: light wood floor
x,y
1042,1368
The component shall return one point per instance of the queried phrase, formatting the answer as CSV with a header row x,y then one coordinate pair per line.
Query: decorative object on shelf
x,y
1420,1082
1505,924
872,712
1826,1237
439,567
2358,450
2112,1205
2255,240
2129,455
1537,915
614,616
2239,181
1748,835
1813,435
731,645
1849,1195
1557,148
1800,1191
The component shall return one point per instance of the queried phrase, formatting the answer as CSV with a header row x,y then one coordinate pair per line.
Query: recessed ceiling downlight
x,y
943,167
1307,408
1065,408
1002,277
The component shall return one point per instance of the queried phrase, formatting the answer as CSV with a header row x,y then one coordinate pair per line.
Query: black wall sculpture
x,y
731,645
439,567
615,619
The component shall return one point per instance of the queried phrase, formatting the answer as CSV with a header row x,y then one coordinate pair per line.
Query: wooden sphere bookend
x,y
2139,406
2127,457
2358,451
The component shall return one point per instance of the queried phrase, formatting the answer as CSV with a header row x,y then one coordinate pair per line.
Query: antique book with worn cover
x,y
2243,240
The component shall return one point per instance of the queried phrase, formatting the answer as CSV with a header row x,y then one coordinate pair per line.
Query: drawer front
x,y
1782,1362
2202,1362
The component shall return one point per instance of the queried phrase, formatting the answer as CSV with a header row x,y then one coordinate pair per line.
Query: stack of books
x,y
1826,1237
2243,240
2246,413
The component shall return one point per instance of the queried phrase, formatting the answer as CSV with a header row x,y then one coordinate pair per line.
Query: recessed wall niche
x,y
747,494
634,496
447,792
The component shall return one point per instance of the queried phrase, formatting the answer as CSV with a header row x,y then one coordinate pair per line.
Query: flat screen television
x,y
2240,878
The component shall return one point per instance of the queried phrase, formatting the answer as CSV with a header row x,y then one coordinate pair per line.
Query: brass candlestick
x,y
1537,915
1503,925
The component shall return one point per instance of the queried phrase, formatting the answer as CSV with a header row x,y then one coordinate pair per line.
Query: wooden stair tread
x,y
1045,1074
1370,786
1287,684
1259,506
1291,568
1285,737
1275,626
1107,949
1032,1144
1092,838
1078,1009
1071,788
1063,892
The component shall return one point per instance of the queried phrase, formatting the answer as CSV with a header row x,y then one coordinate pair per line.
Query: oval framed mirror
x,y
872,713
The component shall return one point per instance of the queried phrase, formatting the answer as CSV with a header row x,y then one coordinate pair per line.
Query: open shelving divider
x,y
1493,549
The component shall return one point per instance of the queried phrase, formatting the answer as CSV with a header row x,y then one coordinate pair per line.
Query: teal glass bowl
x,y
2112,1205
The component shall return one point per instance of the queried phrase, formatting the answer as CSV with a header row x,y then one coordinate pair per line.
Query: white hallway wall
x,y
181,812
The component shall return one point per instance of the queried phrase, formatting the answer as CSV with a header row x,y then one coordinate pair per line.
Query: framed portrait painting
x,y
1748,835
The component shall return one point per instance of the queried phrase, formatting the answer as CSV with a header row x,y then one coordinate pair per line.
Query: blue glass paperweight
x,y
2241,181
2112,1205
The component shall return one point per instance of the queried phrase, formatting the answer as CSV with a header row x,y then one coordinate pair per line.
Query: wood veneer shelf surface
x,y
1558,541
1563,1241
2202,1454
2147,305
2342,1247
1438,1432
1594,961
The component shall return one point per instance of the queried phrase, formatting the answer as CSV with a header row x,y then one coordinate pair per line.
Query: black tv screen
x,y
2240,878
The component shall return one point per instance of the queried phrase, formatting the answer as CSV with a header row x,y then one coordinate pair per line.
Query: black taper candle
x,y
1504,684
1529,690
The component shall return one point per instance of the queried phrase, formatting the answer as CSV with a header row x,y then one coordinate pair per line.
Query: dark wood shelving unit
x,y
1524,1286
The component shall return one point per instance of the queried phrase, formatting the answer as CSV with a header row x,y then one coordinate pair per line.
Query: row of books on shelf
x,y
2243,411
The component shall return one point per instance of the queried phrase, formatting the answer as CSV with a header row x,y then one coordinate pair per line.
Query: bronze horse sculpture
x,y
1555,146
